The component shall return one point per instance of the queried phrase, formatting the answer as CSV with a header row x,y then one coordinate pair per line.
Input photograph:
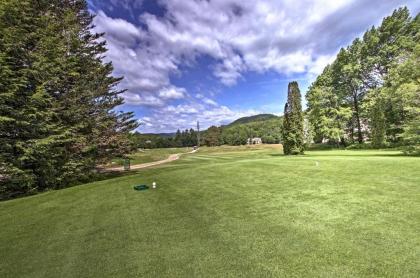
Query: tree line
x,y
57,97
185,138
270,131
371,92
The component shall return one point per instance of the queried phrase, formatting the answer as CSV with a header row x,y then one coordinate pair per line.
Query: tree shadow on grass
x,y
352,153
110,175
100,176
358,155
276,154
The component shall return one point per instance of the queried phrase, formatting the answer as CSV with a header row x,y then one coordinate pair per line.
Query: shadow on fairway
x,y
326,154
351,153
276,154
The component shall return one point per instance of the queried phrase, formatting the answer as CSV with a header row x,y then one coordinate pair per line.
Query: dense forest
x,y
185,138
265,126
269,130
57,97
371,92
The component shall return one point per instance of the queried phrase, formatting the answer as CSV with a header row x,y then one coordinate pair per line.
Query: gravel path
x,y
172,157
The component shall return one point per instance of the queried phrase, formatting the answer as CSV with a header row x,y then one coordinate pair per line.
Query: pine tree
x,y
26,109
193,138
178,138
213,136
57,97
293,135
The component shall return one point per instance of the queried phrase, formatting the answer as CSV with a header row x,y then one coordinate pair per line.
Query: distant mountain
x,y
252,119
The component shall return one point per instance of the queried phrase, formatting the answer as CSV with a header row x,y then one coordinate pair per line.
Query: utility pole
x,y
198,134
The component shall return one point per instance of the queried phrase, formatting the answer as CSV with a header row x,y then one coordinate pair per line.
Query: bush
x,y
412,150
15,182
357,146
322,147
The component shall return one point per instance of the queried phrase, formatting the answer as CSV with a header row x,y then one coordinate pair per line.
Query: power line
x,y
198,134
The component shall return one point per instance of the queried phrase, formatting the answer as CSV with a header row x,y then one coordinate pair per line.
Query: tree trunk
x,y
356,113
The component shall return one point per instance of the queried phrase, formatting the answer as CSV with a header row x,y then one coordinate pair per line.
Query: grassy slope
x,y
226,214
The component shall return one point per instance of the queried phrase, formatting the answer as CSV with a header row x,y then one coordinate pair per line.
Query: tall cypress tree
x,y
293,136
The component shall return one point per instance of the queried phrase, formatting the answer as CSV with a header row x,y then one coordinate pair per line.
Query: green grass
x,y
226,213
150,155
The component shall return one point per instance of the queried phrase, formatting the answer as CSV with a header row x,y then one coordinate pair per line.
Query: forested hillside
x,y
371,92
255,118
266,126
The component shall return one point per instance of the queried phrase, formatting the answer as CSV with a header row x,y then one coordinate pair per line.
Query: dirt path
x,y
172,157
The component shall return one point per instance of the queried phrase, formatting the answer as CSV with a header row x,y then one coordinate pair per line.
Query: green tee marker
x,y
141,187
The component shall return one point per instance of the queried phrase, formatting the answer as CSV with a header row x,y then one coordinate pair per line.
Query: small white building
x,y
254,141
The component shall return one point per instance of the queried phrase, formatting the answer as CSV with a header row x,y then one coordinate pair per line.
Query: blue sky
x,y
218,60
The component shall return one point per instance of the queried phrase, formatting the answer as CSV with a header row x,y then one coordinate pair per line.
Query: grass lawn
x,y
226,213
150,155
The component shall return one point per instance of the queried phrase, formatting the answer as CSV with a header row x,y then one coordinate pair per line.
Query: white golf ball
x,y
154,185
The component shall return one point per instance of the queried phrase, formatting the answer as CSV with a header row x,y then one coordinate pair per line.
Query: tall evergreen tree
x,y
57,96
212,136
293,135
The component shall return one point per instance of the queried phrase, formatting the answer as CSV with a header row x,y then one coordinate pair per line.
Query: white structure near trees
x,y
254,141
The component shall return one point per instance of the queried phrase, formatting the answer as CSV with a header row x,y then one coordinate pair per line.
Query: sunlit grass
x,y
226,212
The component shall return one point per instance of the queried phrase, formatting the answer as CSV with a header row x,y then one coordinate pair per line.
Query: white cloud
x,y
206,100
319,64
210,102
243,35
181,109
118,30
127,4
285,36
229,71
145,69
144,100
171,118
172,93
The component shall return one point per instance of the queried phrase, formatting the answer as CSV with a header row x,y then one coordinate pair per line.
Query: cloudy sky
x,y
218,60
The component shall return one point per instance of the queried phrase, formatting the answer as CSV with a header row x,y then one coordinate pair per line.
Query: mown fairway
x,y
226,213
